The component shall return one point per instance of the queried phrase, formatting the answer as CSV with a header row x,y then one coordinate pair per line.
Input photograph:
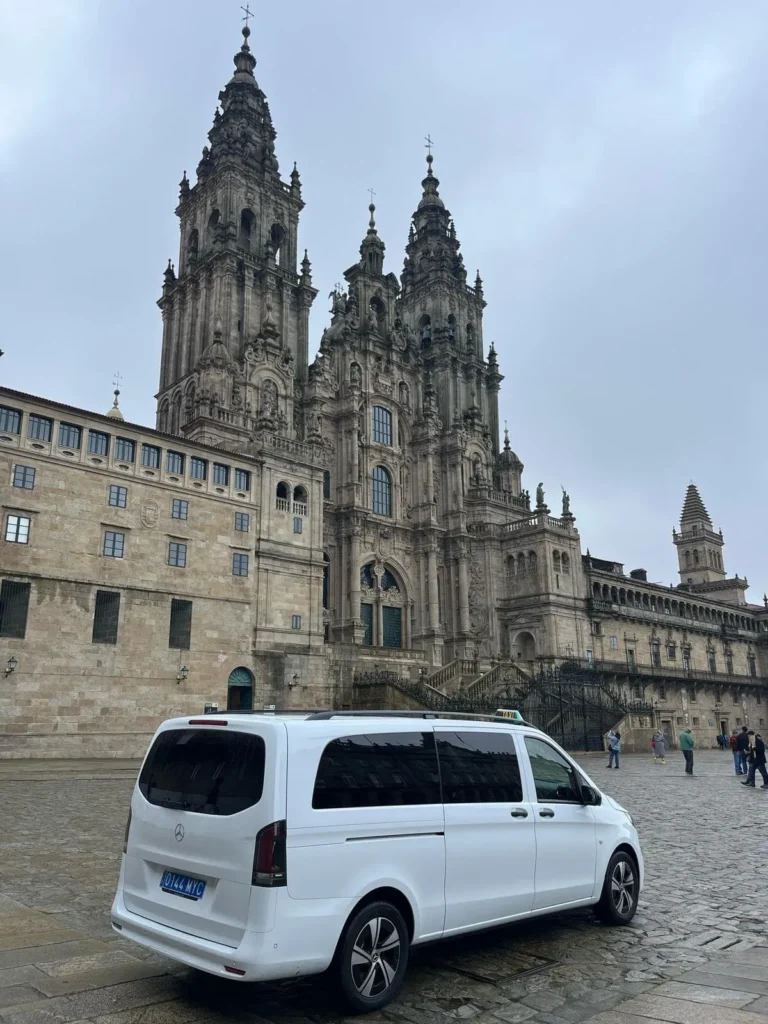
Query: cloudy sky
x,y
606,164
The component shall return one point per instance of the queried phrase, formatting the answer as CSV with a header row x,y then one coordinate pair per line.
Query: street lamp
x,y
11,666
182,675
295,681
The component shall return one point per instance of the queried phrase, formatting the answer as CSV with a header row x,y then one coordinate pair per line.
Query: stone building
x,y
333,532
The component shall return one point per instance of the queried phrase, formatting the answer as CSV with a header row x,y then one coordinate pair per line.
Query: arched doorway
x,y
382,607
524,647
240,690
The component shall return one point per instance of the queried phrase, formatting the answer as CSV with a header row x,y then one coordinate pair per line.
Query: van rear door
x,y
205,792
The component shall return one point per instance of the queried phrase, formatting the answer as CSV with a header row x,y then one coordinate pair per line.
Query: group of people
x,y
748,751
747,746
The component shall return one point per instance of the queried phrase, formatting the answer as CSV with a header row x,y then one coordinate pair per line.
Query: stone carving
x,y
355,375
478,603
566,503
150,513
313,425
540,496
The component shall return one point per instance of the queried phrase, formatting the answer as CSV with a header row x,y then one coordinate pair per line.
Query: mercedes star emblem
x,y
179,833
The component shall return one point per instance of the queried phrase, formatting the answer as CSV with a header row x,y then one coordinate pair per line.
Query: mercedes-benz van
x,y
266,846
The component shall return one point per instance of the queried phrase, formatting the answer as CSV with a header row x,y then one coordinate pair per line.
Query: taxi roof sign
x,y
510,713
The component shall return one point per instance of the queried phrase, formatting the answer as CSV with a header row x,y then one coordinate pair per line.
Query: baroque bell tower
x,y
236,314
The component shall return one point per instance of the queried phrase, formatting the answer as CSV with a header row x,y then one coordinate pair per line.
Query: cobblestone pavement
x,y
697,951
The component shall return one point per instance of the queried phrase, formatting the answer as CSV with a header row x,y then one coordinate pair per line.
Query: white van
x,y
265,846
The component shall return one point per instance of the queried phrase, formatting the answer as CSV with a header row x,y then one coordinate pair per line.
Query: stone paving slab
x,y
690,957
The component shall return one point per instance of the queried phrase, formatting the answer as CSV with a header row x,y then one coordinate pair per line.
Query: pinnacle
x,y
694,509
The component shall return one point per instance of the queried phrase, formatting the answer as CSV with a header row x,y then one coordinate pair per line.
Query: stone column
x,y
434,606
354,572
463,590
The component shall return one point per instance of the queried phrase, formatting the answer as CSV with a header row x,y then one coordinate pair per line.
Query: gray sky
x,y
605,162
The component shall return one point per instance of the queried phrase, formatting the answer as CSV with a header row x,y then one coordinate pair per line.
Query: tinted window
x,y
206,771
555,779
14,605
39,428
479,767
69,435
380,770
180,633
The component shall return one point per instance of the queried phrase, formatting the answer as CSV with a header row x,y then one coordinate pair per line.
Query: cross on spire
x,y
372,194
248,14
116,382
428,143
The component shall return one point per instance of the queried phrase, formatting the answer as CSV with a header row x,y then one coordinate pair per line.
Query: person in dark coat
x,y
742,748
756,760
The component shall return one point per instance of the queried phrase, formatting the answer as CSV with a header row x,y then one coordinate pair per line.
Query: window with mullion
x,y
382,425
39,428
98,443
177,554
24,477
198,469
382,491
150,456
220,474
10,420
242,480
69,435
125,449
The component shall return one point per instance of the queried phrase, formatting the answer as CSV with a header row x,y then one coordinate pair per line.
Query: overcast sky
x,y
606,164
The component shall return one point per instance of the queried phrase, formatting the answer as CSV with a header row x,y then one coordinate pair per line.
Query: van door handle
x,y
519,813
546,813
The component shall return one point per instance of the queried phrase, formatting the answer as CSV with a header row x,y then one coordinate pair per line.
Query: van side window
x,y
379,770
479,767
555,779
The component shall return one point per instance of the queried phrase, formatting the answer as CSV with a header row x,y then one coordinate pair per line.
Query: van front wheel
x,y
373,957
621,889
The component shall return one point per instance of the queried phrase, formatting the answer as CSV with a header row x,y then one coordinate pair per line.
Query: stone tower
x,y
699,547
236,316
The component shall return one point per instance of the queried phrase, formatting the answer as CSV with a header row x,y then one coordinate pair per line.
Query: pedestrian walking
x,y
687,743
756,760
742,748
614,748
732,741
659,747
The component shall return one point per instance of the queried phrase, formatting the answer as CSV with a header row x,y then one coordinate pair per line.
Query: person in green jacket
x,y
687,743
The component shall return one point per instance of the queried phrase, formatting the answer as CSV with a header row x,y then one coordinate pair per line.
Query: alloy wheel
x,y
375,957
623,887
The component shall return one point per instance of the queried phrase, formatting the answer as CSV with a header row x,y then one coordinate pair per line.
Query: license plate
x,y
182,885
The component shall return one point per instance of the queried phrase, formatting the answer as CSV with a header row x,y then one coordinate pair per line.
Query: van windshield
x,y
204,771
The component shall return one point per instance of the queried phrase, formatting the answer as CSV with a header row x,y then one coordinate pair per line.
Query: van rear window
x,y
206,771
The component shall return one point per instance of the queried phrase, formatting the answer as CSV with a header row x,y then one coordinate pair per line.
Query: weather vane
x,y
428,143
248,14
117,380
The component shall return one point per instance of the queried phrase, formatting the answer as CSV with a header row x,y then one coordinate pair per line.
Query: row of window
x,y
671,650
40,428
17,529
392,769
117,497
14,610
713,558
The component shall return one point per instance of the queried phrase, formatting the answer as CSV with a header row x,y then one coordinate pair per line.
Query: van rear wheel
x,y
621,889
373,957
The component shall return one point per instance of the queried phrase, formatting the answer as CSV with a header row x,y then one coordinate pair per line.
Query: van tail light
x,y
269,860
127,830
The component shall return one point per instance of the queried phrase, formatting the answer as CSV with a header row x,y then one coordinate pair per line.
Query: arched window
x,y
695,556
531,561
212,228
511,565
277,237
521,564
176,413
164,416
283,497
247,223
566,564
382,491
327,485
687,559
556,561
382,425
300,501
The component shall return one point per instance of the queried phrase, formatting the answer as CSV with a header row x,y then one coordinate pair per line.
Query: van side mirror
x,y
590,797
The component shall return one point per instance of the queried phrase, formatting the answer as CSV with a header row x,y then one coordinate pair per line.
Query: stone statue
x,y
566,503
355,375
540,495
313,424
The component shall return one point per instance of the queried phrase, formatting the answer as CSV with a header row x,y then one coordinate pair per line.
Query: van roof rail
x,y
321,716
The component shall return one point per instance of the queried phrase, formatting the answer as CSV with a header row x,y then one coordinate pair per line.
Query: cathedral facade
x,y
331,532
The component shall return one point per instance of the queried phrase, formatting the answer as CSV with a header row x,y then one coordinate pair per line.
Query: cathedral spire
x,y
372,248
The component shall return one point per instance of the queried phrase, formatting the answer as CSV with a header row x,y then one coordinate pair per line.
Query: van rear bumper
x,y
262,956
